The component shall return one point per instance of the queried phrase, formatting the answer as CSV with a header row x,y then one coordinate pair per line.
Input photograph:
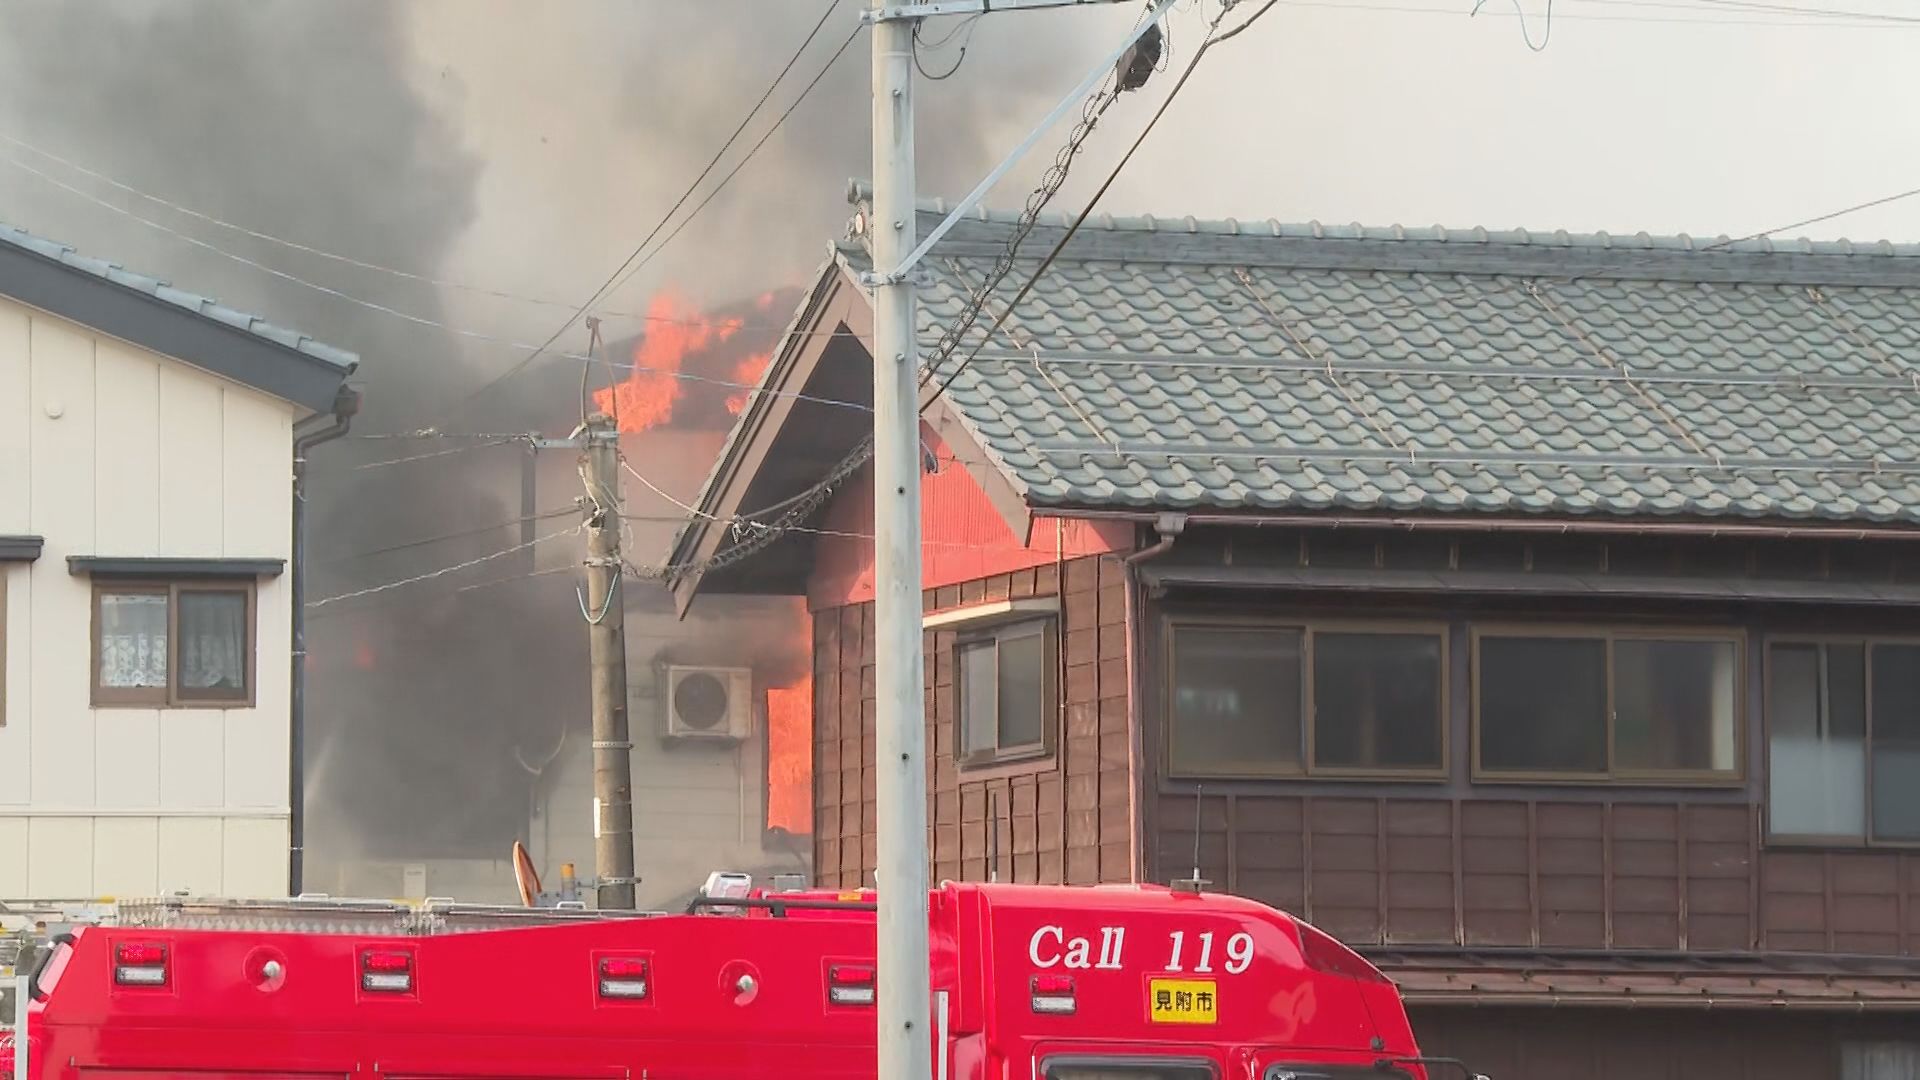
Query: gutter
x,y
346,403
1169,526
1461,522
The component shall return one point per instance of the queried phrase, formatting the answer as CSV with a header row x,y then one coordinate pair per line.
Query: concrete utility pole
x,y
905,1005
605,609
902,963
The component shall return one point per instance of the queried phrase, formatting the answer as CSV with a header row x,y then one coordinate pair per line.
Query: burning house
x,y
719,704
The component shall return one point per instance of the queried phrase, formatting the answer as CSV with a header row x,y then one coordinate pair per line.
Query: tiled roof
x,y
1758,981
1240,366
322,359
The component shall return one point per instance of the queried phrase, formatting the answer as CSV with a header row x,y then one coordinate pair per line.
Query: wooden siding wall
x,y
1541,873
1594,1044
1065,819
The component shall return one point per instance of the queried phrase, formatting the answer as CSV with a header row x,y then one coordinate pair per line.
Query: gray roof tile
x,y
1256,365
160,290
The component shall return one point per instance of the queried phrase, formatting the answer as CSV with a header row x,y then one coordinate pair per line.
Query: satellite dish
x,y
525,876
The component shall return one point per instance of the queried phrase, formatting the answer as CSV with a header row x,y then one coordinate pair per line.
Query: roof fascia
x,y
837,305
153,324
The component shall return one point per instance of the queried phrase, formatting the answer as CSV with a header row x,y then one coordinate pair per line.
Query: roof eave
x,y
149,322
833,299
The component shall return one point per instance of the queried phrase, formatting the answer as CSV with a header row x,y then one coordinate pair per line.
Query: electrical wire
x,y
742,163
1193,65
1526,34
968,25
445,570
432,454
614,280
427,541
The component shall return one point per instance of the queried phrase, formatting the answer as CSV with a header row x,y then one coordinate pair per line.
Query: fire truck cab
x,y
1029,982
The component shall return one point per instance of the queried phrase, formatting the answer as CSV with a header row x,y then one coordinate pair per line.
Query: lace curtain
x,y
212,631
133,640
213,641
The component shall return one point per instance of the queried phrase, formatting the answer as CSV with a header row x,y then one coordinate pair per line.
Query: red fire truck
x,y
1030,983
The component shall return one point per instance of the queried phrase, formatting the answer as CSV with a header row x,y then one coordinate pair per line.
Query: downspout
x,y
345,404
1169,526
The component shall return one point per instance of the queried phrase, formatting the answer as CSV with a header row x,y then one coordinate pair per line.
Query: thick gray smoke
x,y
527,147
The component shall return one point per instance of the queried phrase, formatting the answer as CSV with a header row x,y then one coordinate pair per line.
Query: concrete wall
x,y
108,449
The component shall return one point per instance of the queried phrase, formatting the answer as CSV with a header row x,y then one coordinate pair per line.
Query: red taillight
x,y
1322,953
624,978
138,963
1053,994
850,984
386,971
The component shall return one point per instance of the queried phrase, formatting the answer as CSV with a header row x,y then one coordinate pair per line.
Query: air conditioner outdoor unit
x,y
710,703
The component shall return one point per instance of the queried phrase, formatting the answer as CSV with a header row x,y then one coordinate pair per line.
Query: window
x,y
1008,689
173,644
1604,704
1843,745
1257,700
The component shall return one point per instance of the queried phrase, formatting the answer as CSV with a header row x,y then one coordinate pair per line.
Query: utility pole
x,y
902,962
605,609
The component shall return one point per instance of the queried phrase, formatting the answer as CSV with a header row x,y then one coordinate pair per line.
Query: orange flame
x,y
645,397
790,758
748,372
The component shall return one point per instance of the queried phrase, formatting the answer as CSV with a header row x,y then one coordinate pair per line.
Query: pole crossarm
x,y
937,8
1101,71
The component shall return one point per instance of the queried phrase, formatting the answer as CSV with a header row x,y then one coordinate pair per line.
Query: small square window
x,y
1008,689
172,644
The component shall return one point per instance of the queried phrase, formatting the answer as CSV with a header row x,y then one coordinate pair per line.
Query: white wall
x,y
108,449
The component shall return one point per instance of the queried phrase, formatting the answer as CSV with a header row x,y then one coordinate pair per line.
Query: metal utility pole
x,y
905,1005
604,607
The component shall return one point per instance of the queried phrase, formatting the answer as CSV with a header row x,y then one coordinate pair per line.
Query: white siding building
x,y
146,601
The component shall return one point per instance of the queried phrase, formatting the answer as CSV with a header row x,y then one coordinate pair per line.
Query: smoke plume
x,y
524,147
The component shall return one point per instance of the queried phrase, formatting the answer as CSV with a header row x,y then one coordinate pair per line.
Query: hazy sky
x,y
580,121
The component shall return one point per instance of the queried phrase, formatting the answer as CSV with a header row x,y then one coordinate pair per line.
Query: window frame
x,y
1051,690
1840,840
1309,767
1608,634
170,696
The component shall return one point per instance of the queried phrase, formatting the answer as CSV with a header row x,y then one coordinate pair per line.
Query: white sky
x,y
1656,115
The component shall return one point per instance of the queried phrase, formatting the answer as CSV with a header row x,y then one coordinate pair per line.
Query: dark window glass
x,y
1376,700
1896,742
1543,705
1674,705
1236,700
1023,667
1006,692
213,645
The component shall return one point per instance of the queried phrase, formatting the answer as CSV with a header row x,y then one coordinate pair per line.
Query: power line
x,y
742,163
1192,66
614,278
427,541
443,571
1815,12
421,320
432,454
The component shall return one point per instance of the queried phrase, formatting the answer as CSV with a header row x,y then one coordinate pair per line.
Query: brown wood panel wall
x,y
1061,820
1540,873
1596,1044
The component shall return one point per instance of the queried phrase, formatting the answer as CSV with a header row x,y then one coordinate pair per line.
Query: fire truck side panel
x,y
1029,977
